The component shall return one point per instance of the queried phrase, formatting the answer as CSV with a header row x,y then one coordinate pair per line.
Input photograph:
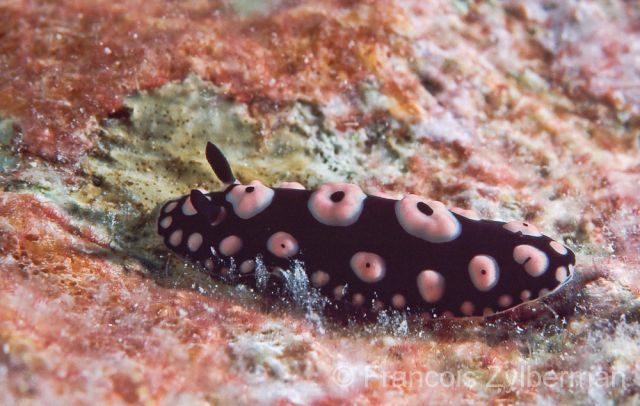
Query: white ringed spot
x,y
250,200
337,204
427,219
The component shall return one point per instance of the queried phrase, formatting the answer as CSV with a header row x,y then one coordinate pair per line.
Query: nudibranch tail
x,y
363,251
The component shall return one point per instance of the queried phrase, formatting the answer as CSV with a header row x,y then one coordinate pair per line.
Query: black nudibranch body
x,y
373,252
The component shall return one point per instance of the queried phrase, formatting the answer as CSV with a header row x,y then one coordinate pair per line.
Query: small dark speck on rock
x,y
432,85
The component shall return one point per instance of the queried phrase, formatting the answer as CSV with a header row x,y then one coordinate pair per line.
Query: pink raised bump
x,y
247,266
535,261
398,301
368,266
250,200
166,222
176,238
467,308
559,248
439,226
292,185
283,245
344,212
194,242
561,274
431,285
230,245
319,278
505,301
484,272
187,207
357,299
170,207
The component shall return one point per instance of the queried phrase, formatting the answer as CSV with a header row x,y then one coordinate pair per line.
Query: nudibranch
x,y
365,251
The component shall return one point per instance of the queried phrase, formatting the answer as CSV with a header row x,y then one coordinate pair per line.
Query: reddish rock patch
x,y
67,62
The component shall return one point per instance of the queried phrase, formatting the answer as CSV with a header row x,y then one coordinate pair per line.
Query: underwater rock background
x,y
518,109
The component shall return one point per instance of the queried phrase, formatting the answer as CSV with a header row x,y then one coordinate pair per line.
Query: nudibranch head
x,y
365,251
185,228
